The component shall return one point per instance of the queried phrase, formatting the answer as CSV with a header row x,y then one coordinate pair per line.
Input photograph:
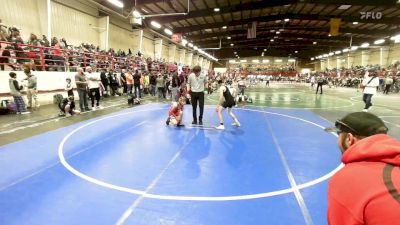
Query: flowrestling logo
x,y
371,15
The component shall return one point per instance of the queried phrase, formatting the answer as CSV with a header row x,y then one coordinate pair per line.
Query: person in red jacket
x,y
367,189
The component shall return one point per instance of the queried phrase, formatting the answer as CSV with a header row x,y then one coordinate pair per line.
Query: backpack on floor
x,y
3,107
12,107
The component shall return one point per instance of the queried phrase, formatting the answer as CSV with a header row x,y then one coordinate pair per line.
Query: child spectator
x,y
68,87
15,89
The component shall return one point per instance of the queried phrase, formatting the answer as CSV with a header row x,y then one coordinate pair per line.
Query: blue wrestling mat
x,y
130,168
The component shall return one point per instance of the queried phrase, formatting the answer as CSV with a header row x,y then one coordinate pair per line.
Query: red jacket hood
x,y
377,148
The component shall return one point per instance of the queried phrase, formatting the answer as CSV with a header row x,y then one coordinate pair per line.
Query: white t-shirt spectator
x,y
370,88
93,80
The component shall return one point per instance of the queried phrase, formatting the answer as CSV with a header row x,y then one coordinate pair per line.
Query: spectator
x,y
5,58
136,84
370,83
3,31
153,84
104,81
32,88
68,87
112,77
146,82
15,90
160,82
388,84
367,189
129,82
45,41
123,81
195,84
81,86
57,55
94,87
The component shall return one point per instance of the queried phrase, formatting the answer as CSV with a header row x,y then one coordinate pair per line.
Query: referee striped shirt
x,y
197,83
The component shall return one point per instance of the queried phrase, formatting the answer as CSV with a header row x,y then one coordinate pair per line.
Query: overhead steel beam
x,y
265,4
242,32
306,37
270,18
336,2
271,52
229,9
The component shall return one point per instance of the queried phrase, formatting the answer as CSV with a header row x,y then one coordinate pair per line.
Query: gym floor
x,y
123,165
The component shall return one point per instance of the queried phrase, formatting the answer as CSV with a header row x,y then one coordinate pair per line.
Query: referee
x,y
195,84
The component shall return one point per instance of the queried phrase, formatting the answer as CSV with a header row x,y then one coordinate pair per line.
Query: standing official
x,y
196,83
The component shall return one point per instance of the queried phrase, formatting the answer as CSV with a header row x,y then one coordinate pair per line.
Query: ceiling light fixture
x,y
228,38
155,24
116,3
286,20
355,22
232,44
272,40
184,42
167,31
216,9
314,43
224,27
380,41
396,37
365,45
344,6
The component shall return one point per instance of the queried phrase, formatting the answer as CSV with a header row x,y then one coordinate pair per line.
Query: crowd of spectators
x,y
389,78
57,55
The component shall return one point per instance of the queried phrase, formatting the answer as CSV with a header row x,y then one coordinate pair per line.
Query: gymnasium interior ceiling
x,y
284,27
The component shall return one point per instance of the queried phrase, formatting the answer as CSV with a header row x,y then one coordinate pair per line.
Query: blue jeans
x,y
367,99
138,93
83,101
153,90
